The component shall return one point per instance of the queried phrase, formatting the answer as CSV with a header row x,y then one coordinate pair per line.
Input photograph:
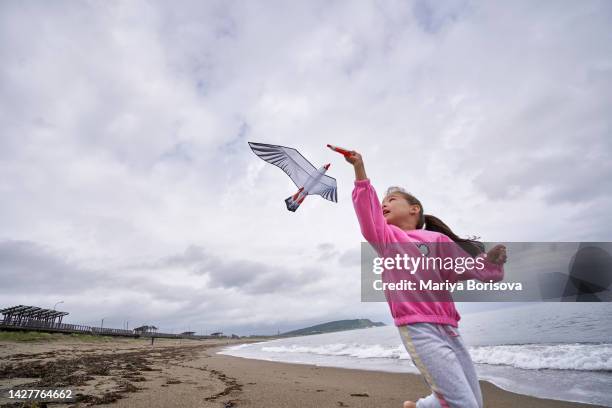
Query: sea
x,y
551,350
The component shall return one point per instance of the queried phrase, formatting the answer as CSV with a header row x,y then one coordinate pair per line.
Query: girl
x,y
428,329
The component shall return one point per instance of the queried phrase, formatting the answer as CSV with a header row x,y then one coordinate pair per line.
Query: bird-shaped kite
x,y
306,177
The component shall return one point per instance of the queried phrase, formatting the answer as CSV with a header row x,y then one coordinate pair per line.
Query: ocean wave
x,y
580,357
238,347
354,350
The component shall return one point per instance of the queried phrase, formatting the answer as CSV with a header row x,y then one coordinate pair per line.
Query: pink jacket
x,y
377,232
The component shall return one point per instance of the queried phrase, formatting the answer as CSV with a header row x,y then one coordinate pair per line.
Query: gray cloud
x,y
32,269
352,257
161,290
243,275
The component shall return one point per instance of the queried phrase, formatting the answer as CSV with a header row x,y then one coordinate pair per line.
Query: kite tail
x,y
292,203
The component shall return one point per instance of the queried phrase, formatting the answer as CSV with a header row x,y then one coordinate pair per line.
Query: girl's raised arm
x,y
373,225
357,161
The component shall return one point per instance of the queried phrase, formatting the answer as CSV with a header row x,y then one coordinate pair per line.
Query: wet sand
x,y
188,373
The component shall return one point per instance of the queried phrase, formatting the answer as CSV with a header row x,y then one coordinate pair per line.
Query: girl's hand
x,y
355,159
497,255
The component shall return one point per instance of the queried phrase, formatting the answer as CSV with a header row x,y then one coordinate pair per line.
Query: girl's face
x,y
397,210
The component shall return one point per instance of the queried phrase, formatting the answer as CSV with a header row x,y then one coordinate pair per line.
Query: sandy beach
x,y
189,373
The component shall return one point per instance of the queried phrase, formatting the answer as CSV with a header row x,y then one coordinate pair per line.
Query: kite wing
x,y
326,188
290,161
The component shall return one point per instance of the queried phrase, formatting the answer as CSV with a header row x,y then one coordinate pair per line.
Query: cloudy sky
x,y
128,190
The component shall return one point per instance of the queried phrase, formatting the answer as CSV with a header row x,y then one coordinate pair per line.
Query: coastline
x,y
177,373
330,386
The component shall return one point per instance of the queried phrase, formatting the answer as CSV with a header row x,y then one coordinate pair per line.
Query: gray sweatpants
x,y
439,353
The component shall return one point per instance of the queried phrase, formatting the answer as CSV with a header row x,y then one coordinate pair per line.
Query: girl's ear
x,y
415,208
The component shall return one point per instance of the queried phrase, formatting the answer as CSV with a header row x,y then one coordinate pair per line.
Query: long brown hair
x,y
470,245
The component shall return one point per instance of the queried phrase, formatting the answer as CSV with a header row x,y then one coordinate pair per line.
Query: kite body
x,y
304,175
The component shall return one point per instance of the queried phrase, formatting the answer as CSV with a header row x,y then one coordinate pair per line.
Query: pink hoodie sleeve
x,y
490,272
374,227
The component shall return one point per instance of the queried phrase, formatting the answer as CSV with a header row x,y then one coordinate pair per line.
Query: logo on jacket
x,y
424,249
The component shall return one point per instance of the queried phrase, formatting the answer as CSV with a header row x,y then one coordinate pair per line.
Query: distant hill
x,y
338,325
